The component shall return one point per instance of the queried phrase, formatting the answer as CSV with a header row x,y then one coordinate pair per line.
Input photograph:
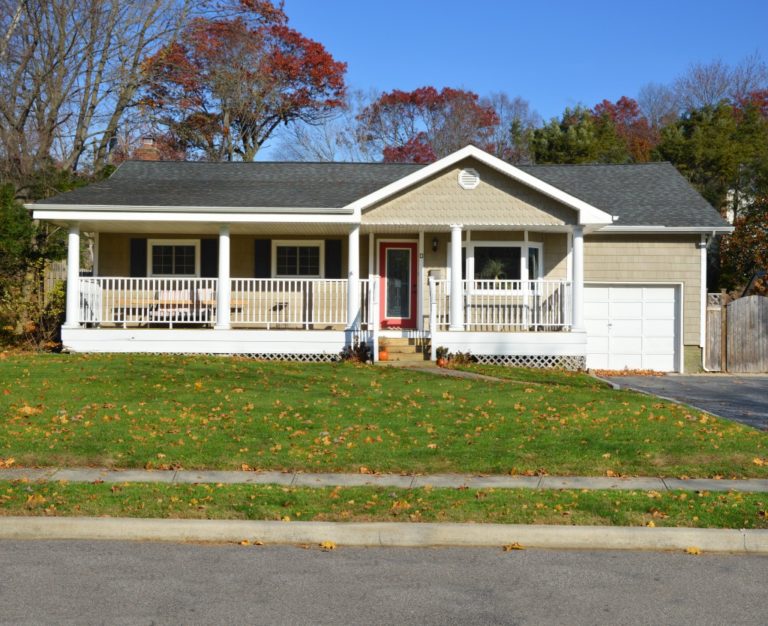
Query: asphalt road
x,y
740,398
143,583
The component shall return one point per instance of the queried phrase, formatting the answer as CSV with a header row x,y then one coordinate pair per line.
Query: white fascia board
x,y
588,214
224,218
716,230
114,208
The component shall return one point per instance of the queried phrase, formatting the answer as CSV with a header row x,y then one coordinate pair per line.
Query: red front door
x,y
397,264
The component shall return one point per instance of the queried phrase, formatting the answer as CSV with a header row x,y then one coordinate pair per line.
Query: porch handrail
x,y
307,303
505,305
121,301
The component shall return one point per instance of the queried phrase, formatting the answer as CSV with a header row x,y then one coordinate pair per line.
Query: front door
x,y
397,264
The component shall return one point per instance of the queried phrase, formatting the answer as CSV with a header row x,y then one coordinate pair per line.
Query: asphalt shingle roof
x,y
653,194
237,185
645,194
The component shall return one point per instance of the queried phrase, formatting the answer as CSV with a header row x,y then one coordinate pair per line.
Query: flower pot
x,y
441,362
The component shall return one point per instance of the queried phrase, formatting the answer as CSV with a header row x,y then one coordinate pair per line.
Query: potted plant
x,y
441,356
383,352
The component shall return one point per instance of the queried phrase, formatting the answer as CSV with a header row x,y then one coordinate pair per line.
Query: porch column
x,y
73,277
353,279
457,293
578,278
223,293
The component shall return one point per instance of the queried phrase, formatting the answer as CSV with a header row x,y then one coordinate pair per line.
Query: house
x,y
596,265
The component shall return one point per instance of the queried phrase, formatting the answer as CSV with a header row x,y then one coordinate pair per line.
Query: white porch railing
x,y
504,305
122,301
309,303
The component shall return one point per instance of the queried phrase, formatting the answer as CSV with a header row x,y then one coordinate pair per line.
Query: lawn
x,y
230,413
364,504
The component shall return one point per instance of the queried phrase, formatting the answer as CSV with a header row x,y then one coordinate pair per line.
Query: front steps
x,y
406,349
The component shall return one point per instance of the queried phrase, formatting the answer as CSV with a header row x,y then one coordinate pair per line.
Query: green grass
x,y
223,413
270,502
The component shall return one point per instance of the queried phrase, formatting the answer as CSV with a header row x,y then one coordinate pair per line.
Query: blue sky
x,y
552,53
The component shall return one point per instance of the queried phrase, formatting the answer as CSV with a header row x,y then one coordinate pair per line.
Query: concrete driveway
x,y
740,398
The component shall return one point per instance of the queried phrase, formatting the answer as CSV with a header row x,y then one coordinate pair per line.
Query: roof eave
x,y
717,230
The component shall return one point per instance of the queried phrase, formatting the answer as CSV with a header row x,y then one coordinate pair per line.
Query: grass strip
x,y
199,412
362,504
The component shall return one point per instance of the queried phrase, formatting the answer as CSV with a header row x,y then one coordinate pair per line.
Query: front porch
x,y
517,322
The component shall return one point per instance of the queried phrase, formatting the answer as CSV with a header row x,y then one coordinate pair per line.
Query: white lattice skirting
x,y
574,363
297,358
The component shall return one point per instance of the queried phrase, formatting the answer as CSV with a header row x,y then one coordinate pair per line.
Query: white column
x,y
353,279
457,294
703,291
578,278
73,277
224,287
420,283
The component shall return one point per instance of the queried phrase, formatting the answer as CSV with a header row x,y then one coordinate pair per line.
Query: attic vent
x,y
468,178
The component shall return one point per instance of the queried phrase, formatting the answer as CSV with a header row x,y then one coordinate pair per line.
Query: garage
x,y
633,326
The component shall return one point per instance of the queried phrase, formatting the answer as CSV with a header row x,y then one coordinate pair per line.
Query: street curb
x,y
387,534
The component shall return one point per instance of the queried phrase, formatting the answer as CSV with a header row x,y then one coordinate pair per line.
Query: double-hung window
x,y
297,259
174,257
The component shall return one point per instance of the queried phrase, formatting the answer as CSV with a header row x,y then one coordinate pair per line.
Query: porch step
x,y
405,349
408,356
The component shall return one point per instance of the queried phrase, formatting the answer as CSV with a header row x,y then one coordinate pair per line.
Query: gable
x,y
498,200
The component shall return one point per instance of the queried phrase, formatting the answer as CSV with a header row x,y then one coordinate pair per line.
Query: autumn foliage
x,y
425,124
227,83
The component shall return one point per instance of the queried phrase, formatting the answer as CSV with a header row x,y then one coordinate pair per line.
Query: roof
x,y
236,185
642,194
653,194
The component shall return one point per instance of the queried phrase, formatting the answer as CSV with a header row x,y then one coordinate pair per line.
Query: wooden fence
x,y
737,335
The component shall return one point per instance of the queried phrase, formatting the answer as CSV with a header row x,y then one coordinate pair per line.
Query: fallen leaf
x,y
327,546
693,550
512,546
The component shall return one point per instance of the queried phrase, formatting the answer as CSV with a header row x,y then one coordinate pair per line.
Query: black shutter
x,y
138,258
262,258
209,258
333,258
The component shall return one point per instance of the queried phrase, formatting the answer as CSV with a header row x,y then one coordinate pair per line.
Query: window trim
x,y
151,243
469,266
298,243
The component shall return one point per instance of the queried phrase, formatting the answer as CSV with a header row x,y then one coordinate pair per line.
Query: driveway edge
x,y
389,534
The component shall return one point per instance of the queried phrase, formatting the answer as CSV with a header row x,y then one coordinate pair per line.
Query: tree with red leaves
x,y
229,81
425,124
631,126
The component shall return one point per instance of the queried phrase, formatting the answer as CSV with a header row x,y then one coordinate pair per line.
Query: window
x,y
173,257
297,259
500,261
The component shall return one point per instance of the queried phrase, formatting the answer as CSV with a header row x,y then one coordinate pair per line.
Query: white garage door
x,y
632,326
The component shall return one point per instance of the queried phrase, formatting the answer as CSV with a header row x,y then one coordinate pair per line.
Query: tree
x,y
333,138
745,252
224,86
425,124
658,103
511,137
708,84
723,151
68,73
631,126
579,136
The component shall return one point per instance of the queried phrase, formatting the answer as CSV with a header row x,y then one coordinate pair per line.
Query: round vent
x,y
468,178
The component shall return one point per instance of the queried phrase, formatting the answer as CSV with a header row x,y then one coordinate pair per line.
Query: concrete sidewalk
x,y
405,481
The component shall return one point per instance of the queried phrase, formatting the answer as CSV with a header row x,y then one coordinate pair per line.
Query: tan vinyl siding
x,y
497,200
653,259
115,251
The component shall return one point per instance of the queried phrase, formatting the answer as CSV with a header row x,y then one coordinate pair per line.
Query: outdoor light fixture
x,y
434,244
